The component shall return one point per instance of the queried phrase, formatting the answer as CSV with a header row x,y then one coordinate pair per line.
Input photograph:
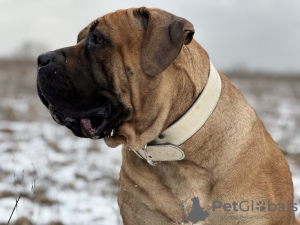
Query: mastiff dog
x,y
194,151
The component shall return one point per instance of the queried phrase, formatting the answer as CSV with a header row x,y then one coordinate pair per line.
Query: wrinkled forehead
x,y
116,22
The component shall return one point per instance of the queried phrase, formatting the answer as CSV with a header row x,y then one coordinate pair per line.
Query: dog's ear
x,y
164,37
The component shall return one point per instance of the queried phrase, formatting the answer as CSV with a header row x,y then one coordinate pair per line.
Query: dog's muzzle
x,y
73,98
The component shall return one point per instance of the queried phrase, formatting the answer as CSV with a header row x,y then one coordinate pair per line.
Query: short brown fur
x,y
231,158
156,71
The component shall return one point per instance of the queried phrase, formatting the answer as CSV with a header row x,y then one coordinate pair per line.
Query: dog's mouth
x,y
95,123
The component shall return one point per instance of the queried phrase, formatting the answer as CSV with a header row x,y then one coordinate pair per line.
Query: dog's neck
x,y
166,147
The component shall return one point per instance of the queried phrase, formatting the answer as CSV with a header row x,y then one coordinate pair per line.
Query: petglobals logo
x,y
246,206
193,212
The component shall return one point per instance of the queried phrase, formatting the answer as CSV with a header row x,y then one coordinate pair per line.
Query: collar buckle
x,y
148,157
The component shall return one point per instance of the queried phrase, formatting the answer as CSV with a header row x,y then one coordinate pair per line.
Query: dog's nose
x,y
46,59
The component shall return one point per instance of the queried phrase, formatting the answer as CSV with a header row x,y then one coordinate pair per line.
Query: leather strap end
x,y
165,152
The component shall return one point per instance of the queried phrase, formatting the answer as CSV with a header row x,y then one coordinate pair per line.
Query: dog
x,y
137,78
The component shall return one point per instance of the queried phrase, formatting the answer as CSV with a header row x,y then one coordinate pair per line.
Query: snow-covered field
x,y
67,180
62,178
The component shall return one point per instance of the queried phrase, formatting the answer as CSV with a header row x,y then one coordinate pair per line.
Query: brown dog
x,y
137,77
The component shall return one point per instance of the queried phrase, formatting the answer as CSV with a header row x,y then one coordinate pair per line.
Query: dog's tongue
x,y
87,128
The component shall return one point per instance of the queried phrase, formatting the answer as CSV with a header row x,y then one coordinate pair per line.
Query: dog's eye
x,y
99,40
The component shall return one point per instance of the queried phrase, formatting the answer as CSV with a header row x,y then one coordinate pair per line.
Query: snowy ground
x,y
73,181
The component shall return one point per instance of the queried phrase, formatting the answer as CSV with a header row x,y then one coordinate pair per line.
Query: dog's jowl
x,y
193,149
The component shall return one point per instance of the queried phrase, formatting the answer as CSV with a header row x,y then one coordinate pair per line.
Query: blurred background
x,y
67,180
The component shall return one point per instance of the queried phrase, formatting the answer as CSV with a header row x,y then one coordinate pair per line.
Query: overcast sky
x,y
255,34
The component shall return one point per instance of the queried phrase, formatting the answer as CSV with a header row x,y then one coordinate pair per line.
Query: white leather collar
x,y
166,146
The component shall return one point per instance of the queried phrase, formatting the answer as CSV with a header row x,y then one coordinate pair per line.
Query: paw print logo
x,y
260,206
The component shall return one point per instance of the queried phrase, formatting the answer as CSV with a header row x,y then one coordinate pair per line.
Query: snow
x,y
42,155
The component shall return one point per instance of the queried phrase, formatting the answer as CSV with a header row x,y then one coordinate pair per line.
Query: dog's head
x,y
107,85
